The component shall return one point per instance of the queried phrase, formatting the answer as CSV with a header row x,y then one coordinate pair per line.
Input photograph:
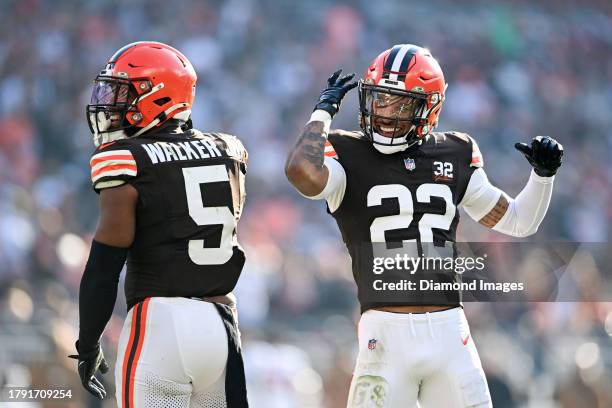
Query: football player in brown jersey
x,y
170,199
397,181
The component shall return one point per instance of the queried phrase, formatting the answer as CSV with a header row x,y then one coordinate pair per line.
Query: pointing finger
x,y
523,148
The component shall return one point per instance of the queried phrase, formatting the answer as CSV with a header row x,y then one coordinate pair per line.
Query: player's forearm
x,y
98,291
520,216
304,166
526,212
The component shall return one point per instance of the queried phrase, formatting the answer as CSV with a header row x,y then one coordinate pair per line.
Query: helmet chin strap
x,y
160,118
390,149
107,137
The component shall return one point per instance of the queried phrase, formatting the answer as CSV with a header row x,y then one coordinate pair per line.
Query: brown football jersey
x,y
406,199
190,198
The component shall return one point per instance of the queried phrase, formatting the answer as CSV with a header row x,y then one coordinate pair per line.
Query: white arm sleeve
x,y
335,187
523,214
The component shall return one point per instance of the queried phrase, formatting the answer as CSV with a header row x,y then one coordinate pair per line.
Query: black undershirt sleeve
x,y
98,292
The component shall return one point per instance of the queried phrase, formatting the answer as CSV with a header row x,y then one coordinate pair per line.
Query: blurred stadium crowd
x,y
513,72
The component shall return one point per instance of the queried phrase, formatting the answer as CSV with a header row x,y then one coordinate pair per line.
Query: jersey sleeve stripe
x,y
330,154
108,163
112,153
476,159
118,170
97,160
113,163
329,150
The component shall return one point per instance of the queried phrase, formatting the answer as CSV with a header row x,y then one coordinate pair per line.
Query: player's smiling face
x,y
392,114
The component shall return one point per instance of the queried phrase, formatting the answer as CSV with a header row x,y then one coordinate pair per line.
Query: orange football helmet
x,y
400,97
143,85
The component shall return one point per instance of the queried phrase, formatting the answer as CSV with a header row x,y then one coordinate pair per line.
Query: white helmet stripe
x,y
397,62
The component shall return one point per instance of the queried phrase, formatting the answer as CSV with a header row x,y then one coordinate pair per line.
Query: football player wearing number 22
x,y
398,181
170,199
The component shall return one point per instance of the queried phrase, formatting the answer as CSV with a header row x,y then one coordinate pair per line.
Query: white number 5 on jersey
x,y
194,177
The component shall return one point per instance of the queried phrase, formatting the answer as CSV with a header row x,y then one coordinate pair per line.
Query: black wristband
x,y
98,292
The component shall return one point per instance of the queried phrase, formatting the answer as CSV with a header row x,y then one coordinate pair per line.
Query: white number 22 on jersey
x,y
406,209
194,177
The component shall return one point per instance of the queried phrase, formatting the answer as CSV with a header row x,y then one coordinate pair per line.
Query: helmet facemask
x,y
392,118
112,100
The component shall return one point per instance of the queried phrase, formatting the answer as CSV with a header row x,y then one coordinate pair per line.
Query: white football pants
x,y
172,353
429,358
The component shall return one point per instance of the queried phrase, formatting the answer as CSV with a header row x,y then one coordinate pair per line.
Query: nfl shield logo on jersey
x,y
372,344
409,163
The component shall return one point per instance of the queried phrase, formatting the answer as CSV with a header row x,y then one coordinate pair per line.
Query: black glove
x,y
89,363
544,155
337,87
